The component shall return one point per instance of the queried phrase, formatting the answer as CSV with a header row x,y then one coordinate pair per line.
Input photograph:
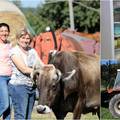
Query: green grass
x,y
106,115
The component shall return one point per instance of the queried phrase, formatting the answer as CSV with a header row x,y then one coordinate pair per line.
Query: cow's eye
x,y
54,87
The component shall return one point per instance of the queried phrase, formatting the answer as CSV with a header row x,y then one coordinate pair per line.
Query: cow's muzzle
x,y
43,109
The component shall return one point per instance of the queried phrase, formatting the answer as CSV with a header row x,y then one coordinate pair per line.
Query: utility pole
x,y
107,29
72,26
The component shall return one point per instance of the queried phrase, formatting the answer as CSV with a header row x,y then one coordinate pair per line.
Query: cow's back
x,y
91,75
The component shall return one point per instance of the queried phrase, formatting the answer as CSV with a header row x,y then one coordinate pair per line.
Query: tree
x,y
38,23
86,19
56,15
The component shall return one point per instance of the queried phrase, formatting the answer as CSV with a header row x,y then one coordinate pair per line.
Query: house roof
x,y
6,5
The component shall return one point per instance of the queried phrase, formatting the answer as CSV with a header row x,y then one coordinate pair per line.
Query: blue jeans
x,y
23,98
4,98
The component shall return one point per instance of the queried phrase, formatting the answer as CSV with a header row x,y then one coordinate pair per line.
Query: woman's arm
x,y
19,63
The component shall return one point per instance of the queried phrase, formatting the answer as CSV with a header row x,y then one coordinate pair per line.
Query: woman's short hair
x,y
6,25
23,32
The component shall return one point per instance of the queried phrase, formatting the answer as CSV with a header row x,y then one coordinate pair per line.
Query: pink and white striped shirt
x,y
5,62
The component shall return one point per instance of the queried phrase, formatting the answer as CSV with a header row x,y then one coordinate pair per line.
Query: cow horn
x,y
53,52
70,75
59,74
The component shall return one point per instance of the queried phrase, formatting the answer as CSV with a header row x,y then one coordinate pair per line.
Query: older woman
x,y
21,86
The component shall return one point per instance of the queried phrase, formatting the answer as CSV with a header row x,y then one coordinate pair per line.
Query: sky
x,y
30,3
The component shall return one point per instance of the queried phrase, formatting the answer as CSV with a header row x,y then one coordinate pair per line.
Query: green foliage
x,y
105,114
56,15
86,18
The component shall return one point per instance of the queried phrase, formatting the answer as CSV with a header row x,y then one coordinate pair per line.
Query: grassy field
x,y
106,115
50,116
36,116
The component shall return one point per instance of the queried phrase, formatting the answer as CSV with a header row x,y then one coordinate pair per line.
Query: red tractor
x,y
110,98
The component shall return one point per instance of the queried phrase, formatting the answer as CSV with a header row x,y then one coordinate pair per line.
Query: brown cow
x,y
65,91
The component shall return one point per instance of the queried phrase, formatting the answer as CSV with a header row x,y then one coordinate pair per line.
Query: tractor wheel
x,y
114,106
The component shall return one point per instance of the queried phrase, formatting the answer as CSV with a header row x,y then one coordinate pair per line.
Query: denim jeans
x,y
23,98
4,98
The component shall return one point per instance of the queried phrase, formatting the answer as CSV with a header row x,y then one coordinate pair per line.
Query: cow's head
x,y
68,64
47,80
48,83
